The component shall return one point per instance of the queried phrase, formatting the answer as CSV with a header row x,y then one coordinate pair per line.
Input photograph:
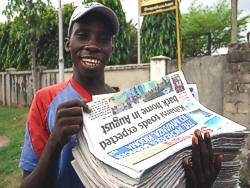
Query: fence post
x,y
9,91
158,67
40,70
4,88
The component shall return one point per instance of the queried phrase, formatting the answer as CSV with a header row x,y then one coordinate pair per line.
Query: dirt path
x,y
4,140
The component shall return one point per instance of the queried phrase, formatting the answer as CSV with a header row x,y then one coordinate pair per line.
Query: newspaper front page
x,y
135,129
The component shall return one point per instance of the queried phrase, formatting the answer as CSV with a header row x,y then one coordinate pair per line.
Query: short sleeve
x,y
28,160
36,133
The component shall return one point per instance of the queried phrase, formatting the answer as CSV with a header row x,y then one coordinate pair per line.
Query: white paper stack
x,y
139,137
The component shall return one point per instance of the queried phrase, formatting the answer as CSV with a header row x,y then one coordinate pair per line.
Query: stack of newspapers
x,y
139,137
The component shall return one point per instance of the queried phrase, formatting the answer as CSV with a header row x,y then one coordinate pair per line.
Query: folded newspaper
x,y
139,137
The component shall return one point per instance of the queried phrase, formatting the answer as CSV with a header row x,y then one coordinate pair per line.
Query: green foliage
x,y
15,34
123,41
47,42
26,20
12,46
67,11
15,44
158,35
244,172
134,43
201,20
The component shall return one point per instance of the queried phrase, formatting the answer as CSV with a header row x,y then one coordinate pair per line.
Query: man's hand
x,y
205,165
68,121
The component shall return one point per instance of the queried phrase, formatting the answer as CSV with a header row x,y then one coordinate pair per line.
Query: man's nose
x,y
93,44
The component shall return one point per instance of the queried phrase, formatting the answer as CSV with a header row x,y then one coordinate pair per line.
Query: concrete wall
x,y
208,74
125,76
16,86
237,86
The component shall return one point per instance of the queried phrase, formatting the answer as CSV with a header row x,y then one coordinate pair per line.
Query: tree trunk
x,y
33,62
35,81
234,5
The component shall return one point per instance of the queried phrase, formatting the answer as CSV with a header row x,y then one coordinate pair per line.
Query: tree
x,y
27,17
4,38
13,51
133,38
15,44
158,35
202,22
67,11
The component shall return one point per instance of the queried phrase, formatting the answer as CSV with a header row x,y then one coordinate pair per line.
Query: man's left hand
x,y
205,165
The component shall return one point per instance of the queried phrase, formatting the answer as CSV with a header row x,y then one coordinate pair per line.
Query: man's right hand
x,y
68,121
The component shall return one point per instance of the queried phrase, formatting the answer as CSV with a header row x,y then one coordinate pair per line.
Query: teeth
x,y
91,62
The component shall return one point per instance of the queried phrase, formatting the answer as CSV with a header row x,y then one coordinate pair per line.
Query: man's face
x,y
90,45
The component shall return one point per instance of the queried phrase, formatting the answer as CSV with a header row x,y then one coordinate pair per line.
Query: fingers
x,y
75,105
71,120
196,158
217,164
210,154
65,127
66,133
206,166
68,120
190,176
70,113
204,154
85,107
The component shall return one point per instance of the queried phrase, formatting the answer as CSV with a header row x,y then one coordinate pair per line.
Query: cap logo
x,y
89,5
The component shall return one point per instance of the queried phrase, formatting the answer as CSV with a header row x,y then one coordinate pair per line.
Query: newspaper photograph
x,y
139,127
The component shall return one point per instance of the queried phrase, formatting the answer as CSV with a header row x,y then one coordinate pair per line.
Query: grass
x,y
12,125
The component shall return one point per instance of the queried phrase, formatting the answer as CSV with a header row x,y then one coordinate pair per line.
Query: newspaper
x,y
139,137
135,129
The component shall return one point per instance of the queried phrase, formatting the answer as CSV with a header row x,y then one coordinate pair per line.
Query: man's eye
x,y
105,38
82,35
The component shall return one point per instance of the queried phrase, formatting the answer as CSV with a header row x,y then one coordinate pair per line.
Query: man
x,y
55,114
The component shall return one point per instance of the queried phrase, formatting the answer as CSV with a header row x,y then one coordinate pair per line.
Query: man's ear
x,y
67,44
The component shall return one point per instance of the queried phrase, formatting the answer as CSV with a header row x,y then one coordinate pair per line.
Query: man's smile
x,y
90,62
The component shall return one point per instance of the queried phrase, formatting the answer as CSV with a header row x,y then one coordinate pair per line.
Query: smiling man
x,y
55,114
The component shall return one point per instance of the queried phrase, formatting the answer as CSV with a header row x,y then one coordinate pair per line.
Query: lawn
x,y
12,125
